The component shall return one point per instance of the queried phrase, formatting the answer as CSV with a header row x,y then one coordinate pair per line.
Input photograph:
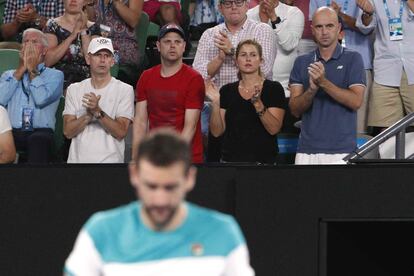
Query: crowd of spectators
x,y
313,59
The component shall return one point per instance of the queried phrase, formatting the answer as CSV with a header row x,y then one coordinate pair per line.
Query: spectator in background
x,y
161,234
327,87
287,24
7,148
249,112
98,110
31,94
163,11
306,44
117,19
392,91
215,52
23,14
204,15
68,37
348,12
170,94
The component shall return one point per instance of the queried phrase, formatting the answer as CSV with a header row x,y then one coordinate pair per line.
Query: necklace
x,y
247,92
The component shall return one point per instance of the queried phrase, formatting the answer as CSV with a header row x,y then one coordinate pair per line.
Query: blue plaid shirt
x,y
45,8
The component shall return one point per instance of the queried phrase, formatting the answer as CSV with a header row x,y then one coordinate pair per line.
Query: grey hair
x,y
39,32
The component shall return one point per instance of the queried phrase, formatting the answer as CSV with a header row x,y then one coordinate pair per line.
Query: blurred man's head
x,y
162,175
325,27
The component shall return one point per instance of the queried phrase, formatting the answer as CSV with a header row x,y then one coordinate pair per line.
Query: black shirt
x,y
245,138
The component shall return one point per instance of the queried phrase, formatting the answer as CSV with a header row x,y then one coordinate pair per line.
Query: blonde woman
x,y
248,113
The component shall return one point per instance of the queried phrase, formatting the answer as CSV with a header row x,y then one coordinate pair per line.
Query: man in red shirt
x,y
170,94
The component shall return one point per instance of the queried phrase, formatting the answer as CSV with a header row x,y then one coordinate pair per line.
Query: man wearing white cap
x,y
98,110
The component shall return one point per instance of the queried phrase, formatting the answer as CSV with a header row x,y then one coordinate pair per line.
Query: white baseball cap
x,y
100,43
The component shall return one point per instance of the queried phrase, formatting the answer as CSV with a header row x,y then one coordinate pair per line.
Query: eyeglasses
x,y
229,4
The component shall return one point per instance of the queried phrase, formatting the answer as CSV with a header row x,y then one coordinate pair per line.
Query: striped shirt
x,y
46,8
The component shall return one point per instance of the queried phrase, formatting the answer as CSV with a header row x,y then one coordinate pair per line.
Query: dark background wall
x,y
298,220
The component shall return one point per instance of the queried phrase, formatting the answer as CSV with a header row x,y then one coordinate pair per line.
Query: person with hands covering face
x,y
20,15
327,87
98,110
248,113
31,94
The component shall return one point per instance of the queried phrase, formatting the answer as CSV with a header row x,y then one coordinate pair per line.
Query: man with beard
x,y
161,234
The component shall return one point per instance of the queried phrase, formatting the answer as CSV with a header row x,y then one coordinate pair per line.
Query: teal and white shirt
x,y
116,242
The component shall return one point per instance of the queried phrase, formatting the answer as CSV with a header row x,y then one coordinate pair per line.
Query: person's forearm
x,y
7,156
349,21
298,105
188,132
410,4
86,39
9,30
90,12
343,96
214,66
139,128
216,123
129,16
271,123
113,127
54,54
367,19
74,127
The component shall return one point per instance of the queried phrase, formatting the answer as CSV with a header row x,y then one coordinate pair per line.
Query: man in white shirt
x,y
287,23
7,149
98,110
392,91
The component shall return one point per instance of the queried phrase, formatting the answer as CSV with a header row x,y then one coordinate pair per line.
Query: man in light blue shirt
x,y
355,40
392,91
31,94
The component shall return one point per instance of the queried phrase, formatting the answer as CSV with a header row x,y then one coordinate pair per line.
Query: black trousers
x,y
36,144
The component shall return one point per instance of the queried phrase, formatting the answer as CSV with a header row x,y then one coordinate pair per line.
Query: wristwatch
x,y
261,112
38,20
274,23
232,52
367,13
99,115
85,32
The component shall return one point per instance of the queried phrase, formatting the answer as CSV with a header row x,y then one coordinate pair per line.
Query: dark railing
x,y
397,129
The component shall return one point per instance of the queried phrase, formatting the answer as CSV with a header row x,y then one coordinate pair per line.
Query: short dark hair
x,y
164,147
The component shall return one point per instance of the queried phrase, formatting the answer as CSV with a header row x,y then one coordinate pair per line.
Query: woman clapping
x,y
248,113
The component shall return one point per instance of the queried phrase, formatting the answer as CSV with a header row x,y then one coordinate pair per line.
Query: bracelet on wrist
x,y
262,112
367,14
99,115
232,52
85,32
